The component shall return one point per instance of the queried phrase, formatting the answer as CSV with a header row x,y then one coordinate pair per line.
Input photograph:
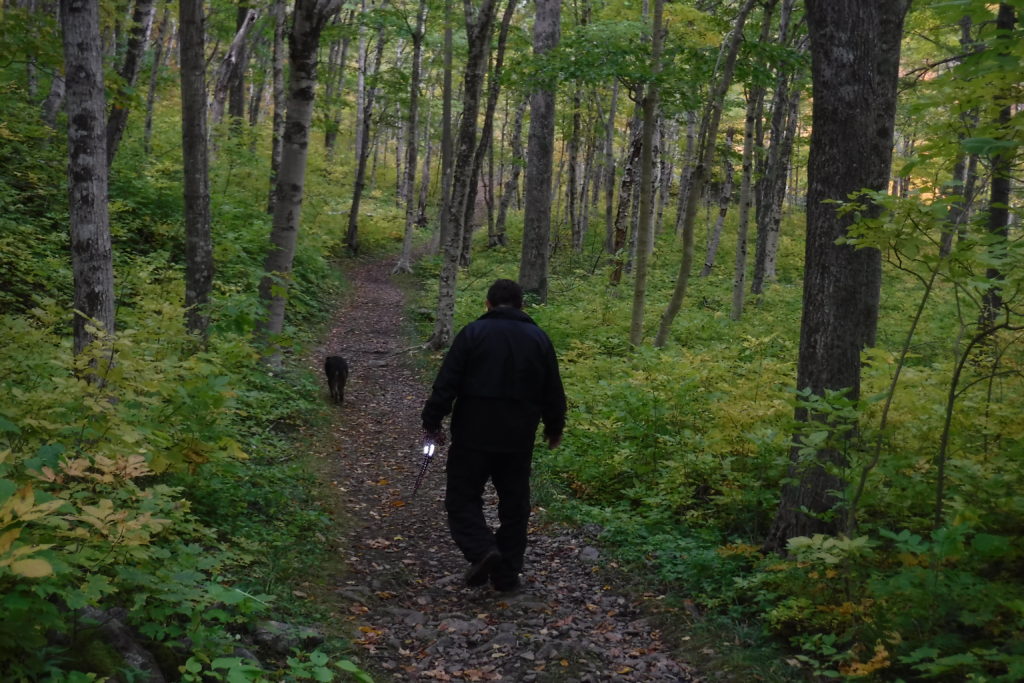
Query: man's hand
x,y
437,437
554,441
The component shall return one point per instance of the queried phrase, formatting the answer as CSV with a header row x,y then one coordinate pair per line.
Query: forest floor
x,y
399,577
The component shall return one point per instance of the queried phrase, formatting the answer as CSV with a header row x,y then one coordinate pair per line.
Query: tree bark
x,y
352,234
447,150
724,199
309,19
478,36
486,135
91,251
533,264
620,228
746,201
154,78
998,219
194,136
609,171
236,91
142,20
333,86
512,182
277,132
404,264
229,70
855,48
645,232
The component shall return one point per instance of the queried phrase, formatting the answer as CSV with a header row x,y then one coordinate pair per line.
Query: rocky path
x,y
415,619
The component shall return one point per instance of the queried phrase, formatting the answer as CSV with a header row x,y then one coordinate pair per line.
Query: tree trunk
x,y
236,91
277,133
686,172
309,19
645,232
231,67
142,19
404,264
705,154
154,77
352,234
198,247
333,86
478,37
446,132
533,265
620,228
771,188
998,219
746,201
571,193
609,170
54,99
724,199
421,209
855,48
512,182
91,251
486,135
665,134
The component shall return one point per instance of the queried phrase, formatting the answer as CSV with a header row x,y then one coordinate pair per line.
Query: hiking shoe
x,y
480,571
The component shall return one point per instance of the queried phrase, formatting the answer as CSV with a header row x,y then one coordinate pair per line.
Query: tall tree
x,y
478,37
309,20
364,143
998,219
486,133
533,264
236,91
512,182
771,186
154,76
447,150
698,176
91,251
404,264
195,158
231,69
645,234
855,49
280,100
142,20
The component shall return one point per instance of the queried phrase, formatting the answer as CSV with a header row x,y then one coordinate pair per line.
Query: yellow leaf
x,y
32,568
8,538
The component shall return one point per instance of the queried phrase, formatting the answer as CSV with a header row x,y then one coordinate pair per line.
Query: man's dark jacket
x,y
502,374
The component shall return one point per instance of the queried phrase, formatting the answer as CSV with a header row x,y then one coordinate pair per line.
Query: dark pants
x,y
468,471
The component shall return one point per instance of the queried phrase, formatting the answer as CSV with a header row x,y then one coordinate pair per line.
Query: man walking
x,y
501,373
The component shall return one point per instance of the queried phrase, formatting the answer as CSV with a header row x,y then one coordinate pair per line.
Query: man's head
x,y
505,293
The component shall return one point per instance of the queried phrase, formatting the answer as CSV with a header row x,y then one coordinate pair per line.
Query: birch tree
x,y
404,264
478,36
310,18
645,234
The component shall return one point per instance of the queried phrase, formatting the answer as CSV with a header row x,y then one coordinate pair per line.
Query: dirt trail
x,y
416,619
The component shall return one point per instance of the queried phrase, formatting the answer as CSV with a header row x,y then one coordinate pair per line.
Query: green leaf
x,y
8,426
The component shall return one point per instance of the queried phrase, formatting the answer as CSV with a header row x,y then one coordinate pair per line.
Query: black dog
x,y
336,369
